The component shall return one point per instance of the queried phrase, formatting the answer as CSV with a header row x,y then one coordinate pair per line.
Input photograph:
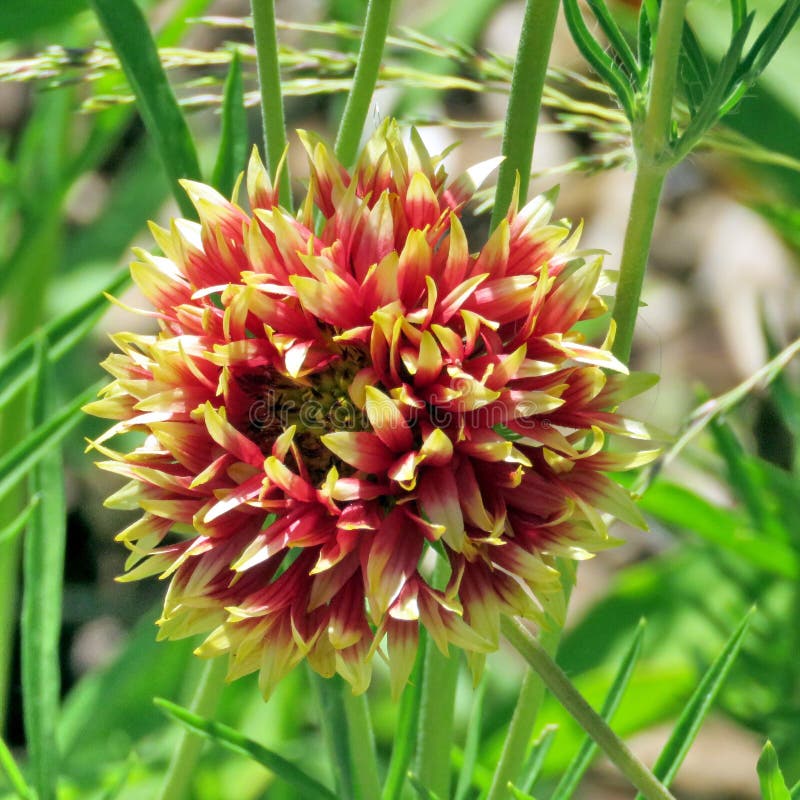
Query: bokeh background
x,y
79,179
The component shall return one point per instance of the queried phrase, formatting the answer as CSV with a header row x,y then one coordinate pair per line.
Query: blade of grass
x,y
696,710
10,532
16,463
232,154
473,742
63,333
43,572
572,777
130,36
423,792
234,741
13,773
405,730
541,747
770,777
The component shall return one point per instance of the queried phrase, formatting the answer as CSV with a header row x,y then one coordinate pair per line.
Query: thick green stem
x,y
435,737
269,81
365,759
435,733
560,685
364,80
335,733
184,759
529,702
518,738
653,160
527,84
635,250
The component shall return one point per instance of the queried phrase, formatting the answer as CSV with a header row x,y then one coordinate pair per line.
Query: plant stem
x,y
204,703
435,737
368,65
365,759
653,161
527,84
635,250
335,734
269,81
518,737
560,685
435,732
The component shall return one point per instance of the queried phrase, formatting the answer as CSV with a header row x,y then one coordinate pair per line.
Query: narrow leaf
x,y
16,463
518,794
770,777
14,528
232,740
597,57
617,39
696,710
13,773
472,744
127,30
423,792
535,762
43,571
62,333
577,768
233,141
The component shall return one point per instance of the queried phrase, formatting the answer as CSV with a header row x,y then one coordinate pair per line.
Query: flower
x,y
354,427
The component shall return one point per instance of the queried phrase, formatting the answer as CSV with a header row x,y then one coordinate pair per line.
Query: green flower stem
x,y
435,732
529,702
269,81
184,759
368,65
435,737
560,685
330,694
527,84
653,161
518,738
365,759
635,250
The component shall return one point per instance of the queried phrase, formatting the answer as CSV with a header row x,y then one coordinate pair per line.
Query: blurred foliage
x,y
75,190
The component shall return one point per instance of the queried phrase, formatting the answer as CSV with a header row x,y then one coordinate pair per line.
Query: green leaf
x,y
680,507
17,368
597,57
473,742
617,39
234,741
16,463
535,762
518,794
43,571
13,773
404,742
768,41
423,792
770,777
696,710
578,766
233,140
22,18
17,525
133,43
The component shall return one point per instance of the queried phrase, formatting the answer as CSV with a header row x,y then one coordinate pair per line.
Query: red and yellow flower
x,y
354,426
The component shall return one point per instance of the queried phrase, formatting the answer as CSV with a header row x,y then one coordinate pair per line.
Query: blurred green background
x,y
78,180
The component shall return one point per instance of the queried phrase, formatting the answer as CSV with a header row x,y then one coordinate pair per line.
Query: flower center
x,y
316,404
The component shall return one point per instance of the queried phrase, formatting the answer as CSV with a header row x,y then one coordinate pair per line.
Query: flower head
x,y
339,401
